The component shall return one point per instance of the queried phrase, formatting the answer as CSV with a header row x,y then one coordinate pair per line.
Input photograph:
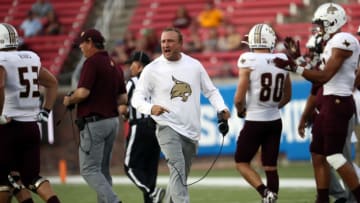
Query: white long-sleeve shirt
x,y
177,86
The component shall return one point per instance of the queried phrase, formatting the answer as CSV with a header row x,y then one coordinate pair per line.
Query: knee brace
x,y
336,160
36,183
15,182
5,188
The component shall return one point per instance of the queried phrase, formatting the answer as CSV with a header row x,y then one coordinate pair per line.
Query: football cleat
x,y
270,197
157,195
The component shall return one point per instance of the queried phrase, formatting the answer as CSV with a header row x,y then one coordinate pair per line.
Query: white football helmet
x,y
9,37
331,16
262,36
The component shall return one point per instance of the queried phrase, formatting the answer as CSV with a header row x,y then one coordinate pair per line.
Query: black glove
x,y
43,115
319,45
288,65
242,114
292,47
223,125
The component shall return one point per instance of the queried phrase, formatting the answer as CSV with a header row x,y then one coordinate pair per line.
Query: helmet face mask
x,y
262,36
9,38
330,17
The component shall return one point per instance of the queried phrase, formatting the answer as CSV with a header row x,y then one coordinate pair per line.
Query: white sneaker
x,y
270,197
157,195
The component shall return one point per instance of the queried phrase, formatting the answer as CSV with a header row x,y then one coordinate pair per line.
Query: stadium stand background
x,y
115,17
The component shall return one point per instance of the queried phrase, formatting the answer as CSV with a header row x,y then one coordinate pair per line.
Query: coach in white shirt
x,y
174,81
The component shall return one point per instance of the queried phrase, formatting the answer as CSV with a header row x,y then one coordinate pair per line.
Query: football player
x,y
262,90
339,62
21,75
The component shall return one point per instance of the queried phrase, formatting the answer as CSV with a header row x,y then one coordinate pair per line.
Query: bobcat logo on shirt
x,y
180,89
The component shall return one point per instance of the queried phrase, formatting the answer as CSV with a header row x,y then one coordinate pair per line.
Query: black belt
x,y
89,119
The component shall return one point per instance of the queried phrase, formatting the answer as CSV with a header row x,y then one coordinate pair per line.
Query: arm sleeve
x,y
87,76
141,92
342,41
122,87
211,92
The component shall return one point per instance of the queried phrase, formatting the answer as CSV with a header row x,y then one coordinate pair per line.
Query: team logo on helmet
x,y
180,89
346,43
332,9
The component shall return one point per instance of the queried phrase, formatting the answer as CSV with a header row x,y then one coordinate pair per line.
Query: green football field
x,y
81,193
130,194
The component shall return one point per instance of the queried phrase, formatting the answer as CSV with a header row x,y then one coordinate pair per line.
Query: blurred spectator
x,y
211,16
118,62
230,40
52,25
129,42
120,50
244,45
193,43
148,42
182,18
211,40
120,56
31,26
41,8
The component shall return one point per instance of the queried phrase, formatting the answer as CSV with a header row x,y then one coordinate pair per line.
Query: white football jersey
x,y
342,83
22,96
266,85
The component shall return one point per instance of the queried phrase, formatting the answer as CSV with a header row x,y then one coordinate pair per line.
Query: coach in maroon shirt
x,y
101,89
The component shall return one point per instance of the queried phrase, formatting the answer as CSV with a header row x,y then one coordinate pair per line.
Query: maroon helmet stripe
x,y
12,35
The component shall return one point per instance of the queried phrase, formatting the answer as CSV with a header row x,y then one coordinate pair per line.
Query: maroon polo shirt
x,y
105,82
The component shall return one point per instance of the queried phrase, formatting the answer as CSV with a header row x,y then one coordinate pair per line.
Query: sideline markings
x,y
208,182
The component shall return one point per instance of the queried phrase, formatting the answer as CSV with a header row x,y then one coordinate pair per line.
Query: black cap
x,y
91,35
139,56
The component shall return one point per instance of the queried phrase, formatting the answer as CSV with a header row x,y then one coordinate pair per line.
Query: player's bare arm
x,y
305,118
287,92
3,118
2,86
357,78
47,80
331,67
243,85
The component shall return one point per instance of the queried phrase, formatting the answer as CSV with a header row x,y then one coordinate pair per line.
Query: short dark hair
x,y
169,29
99,45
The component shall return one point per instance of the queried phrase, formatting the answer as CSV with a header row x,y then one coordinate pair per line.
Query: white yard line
x,y
209,181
